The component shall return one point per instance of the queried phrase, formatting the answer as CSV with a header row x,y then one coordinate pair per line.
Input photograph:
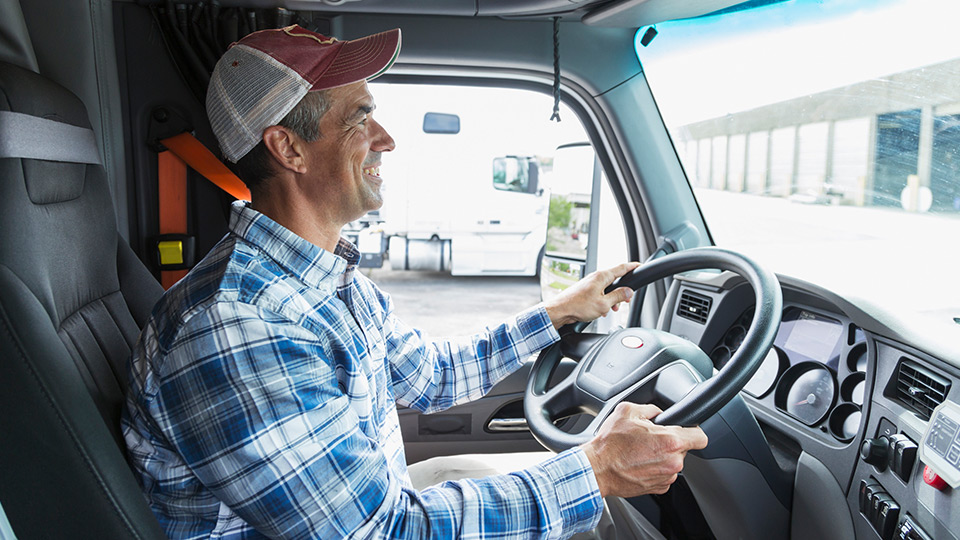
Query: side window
x,y
469,191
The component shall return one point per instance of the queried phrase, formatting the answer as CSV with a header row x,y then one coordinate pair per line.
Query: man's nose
x,y
382,141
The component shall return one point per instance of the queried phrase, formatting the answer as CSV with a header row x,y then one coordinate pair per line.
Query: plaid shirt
x,y
263,395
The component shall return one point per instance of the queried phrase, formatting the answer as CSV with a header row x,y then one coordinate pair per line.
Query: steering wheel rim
x,y
674,355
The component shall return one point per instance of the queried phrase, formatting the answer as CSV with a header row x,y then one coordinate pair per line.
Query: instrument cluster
x,y
815,373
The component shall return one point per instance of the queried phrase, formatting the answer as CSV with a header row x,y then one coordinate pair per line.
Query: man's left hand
x,y
585,300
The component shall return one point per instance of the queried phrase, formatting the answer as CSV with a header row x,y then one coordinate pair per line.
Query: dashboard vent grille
x,y
920,389
694,306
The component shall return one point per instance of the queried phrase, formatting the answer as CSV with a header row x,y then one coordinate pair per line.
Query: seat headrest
x,y
42,200
15,45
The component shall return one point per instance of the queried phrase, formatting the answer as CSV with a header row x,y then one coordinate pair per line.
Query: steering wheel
x,y
643,365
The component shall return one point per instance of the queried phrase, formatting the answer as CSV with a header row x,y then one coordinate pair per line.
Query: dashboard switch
x,y
886,520
932,479
867,488
877,501
903,453
876,452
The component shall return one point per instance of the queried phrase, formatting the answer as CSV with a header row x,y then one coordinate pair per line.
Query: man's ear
x,y
285,147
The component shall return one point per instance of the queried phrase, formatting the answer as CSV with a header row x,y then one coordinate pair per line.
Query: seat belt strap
x,y
175,247
31,137
172,195
202,160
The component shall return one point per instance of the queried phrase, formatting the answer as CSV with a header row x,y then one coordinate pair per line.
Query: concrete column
x,y
925,152
831,138
726,164
868,181
792,187
766,180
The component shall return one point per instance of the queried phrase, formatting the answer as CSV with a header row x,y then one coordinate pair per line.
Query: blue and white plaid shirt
x,y
263,396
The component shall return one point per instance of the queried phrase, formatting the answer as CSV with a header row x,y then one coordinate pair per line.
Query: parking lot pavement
x,y
443,305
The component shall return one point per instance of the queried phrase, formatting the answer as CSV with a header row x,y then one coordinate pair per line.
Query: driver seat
x,y
73,298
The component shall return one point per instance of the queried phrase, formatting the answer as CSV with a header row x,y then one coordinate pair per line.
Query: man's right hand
x,y
632,456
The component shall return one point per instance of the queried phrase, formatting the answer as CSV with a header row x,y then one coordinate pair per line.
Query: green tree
x,y
560,212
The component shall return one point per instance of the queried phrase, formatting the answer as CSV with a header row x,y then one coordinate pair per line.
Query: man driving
x,y
264,387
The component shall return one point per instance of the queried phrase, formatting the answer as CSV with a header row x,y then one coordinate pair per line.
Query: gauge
x,y
720,356
857,359
853,387
766,376
734,337
845,421
806,392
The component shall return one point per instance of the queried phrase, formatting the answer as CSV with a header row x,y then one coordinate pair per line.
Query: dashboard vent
x,y
919,388
694,306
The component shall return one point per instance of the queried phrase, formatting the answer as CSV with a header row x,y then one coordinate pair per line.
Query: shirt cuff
x,y
535,324
577,491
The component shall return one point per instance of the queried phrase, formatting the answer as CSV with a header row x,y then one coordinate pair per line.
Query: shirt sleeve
x,y
265,427
433,375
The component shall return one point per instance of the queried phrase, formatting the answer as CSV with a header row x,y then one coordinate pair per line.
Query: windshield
x,y
822,137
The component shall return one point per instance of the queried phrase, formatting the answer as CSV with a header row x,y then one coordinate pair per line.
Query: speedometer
x,y
806,392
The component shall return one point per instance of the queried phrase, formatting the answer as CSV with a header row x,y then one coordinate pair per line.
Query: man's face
x,y
345,161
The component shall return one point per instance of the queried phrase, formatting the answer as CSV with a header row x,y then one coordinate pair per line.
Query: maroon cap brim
x,y
325,62
360,59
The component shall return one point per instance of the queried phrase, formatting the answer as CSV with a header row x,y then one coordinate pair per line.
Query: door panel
x,y
466,429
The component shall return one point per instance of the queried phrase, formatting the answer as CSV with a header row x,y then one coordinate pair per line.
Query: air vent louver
x,y
694,306
920,389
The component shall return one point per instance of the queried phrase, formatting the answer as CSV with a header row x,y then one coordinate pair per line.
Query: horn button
x,y
628,356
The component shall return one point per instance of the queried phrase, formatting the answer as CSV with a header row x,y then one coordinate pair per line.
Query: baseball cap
x,y
263,76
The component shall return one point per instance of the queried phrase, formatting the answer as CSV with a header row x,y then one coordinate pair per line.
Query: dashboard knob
x,y
874,452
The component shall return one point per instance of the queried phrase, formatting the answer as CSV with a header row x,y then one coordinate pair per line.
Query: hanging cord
x,y
556,69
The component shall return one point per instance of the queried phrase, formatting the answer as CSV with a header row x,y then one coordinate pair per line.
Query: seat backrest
x,y
73,298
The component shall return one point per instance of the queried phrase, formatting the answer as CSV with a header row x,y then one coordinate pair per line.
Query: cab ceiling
x,y
610,13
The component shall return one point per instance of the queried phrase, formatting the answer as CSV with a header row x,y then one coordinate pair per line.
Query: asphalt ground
x,y
445,306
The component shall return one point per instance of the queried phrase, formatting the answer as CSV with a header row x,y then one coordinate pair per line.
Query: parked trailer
x,y
458,196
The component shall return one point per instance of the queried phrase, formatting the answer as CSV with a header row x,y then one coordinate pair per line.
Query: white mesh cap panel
x,y
248,93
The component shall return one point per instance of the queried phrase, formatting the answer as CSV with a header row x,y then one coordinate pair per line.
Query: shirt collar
x,y
317,267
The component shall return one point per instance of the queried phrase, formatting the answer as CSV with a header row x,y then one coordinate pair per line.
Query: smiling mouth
x,y
372,171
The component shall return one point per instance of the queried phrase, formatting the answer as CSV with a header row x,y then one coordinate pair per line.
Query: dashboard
x,y
844,392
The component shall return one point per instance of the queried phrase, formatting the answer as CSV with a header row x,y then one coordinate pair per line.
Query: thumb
x,y
622,294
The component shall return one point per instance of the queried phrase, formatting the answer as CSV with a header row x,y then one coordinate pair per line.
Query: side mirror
x,y
441,123
570,251
517,173
533,174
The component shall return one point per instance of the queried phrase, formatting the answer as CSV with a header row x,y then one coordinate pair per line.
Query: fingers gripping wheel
x,y
650,366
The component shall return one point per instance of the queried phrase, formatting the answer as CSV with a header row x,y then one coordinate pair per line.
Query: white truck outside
x,y
462,192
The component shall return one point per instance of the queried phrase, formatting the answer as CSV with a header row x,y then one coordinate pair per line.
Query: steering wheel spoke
x,y
576,345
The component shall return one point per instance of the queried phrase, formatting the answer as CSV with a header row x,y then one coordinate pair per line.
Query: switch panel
x,y
941,443
880,509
